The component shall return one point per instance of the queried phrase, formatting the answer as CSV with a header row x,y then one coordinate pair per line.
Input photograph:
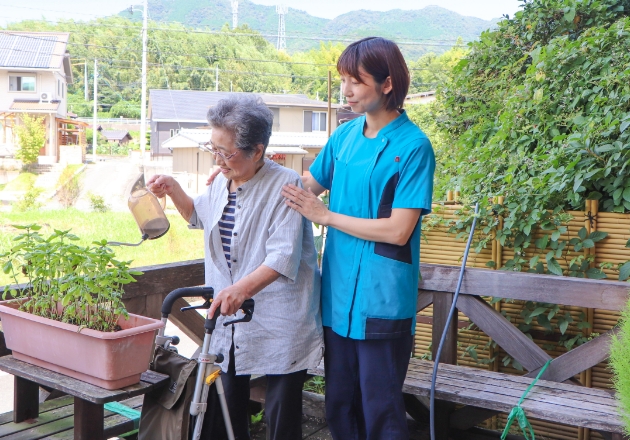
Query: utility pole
x,y
85,81
143,103
281,10
216,80
234,14
341,93
95,115
329,115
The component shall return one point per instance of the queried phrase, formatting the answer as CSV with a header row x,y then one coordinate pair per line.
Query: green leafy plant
x,y
257,418
81,285
29,201
68,186
315,384
620,364
32,136
97,203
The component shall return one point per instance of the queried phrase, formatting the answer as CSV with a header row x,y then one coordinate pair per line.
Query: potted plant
x,y
69,317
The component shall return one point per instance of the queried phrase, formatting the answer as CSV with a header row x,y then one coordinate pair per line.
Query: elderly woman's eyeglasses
x,y
210,147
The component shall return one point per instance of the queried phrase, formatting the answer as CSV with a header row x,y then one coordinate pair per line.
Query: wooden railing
x,y
436,288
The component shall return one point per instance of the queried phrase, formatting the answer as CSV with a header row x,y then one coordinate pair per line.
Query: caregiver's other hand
x,y
306,203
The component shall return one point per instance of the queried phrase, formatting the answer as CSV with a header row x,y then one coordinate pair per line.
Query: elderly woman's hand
x,y
306,203
229,300
161,185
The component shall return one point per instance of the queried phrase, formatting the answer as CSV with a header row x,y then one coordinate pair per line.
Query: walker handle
x,y
206,292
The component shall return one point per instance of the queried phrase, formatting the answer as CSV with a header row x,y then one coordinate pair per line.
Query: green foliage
x,y
432,70
257,418
123,109
68,186
315,384
22,182
620,364
81,285
97,203
31,137
29,202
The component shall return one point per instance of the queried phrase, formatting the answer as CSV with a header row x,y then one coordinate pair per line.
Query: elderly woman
x,y
256,246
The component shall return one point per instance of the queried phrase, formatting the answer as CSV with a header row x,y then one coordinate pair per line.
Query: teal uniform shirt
x,y
370,289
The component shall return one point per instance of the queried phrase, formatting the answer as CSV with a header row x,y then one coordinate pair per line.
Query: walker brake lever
x,y
205,305
248,310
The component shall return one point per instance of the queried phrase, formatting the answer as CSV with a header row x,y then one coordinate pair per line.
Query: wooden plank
x,y
425,299
70,385
190,322
313,405
164,278
43,407
481,434
25,399
88,420
580,292
503,332
562,368
114,424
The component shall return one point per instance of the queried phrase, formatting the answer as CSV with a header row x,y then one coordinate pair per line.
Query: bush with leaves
x,y
29,202
31,137
81,285
68,186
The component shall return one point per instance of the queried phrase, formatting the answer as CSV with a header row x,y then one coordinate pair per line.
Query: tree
x,y
32,137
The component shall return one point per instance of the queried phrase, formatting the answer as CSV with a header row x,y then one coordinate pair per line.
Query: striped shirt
x,y
285,334
226,226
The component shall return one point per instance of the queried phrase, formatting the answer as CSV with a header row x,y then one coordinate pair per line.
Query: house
x,y
420,98
173,110
192,162
122,137
35,72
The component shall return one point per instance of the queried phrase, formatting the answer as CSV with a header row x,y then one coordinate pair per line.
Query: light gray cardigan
x,y
285,334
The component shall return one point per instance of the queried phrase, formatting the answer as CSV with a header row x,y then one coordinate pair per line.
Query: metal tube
x,y
143,99
201,375
224,408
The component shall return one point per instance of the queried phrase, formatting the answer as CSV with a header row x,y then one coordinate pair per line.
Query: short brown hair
x,y
380,58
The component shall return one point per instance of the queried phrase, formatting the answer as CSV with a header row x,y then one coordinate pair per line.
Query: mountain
x,y
431,29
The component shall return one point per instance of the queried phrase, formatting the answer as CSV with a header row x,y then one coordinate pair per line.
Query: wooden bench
x,y
79,415
485,393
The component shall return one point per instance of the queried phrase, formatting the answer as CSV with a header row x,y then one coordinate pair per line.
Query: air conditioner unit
x,y
46,97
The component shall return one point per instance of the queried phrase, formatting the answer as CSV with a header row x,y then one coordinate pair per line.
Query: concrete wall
x,y
71,154
292,118
161,131
185,160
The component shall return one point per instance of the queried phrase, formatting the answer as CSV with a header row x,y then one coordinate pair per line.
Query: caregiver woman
x,y
379,170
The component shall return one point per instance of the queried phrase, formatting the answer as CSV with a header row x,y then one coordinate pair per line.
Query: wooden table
x,y
88,399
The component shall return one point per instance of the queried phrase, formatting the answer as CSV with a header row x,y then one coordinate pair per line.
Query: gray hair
x,y
247,117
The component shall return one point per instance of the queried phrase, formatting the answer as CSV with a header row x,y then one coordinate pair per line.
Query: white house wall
x,y
45,82
292,118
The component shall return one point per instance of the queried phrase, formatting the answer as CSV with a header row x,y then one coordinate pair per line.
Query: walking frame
x,y
208,372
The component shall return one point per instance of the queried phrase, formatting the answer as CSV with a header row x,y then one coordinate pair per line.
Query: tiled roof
x,y
43,50
193,106
34,106
115,135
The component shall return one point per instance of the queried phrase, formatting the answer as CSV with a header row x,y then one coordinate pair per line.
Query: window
x,y
276,118
314,121
174,131
21,83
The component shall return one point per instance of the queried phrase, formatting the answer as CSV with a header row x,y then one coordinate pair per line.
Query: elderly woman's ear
x,y
259,152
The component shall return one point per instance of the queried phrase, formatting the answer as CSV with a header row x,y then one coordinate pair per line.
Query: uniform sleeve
x,y
284,245
415,186
323,167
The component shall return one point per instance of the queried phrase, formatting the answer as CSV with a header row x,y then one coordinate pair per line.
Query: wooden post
x,y
88,420
441,305
25,400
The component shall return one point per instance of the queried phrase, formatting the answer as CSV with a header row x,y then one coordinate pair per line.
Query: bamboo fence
x,y
440,247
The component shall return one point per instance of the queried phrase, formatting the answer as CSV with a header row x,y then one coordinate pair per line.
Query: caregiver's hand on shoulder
x,y
213,176
306,203
228,300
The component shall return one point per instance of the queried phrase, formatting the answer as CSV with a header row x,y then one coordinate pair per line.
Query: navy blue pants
x,y
364,380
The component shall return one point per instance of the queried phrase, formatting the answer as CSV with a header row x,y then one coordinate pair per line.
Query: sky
x,y
11,11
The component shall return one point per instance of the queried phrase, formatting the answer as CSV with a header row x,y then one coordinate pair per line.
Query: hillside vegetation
x,y
305,31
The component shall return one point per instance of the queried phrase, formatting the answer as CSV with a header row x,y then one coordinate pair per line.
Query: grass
x,y
21,183
179,244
